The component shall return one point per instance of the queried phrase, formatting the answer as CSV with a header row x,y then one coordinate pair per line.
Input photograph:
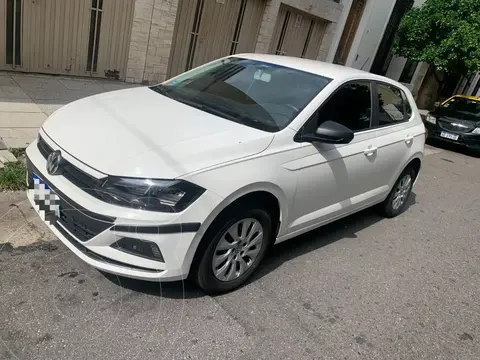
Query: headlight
x,y
147,194
431,119
476,131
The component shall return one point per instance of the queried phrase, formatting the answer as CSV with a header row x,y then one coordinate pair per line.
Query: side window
x,y
391,105
350,106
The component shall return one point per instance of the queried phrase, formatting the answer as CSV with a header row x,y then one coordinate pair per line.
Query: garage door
x,y
73,37
209,29
297,34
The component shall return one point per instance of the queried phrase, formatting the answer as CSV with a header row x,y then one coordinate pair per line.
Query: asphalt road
x,y
361,288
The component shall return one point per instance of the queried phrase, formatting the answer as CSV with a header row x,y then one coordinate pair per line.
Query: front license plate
x,y
448,135
47,200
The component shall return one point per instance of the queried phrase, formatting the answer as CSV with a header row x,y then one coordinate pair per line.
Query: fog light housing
x,y
146,249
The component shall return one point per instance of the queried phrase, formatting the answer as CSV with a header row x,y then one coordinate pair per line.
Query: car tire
x,y
393,205
204,274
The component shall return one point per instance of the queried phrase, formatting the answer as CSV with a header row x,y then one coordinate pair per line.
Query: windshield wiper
x,y
161,90
245,117
209,109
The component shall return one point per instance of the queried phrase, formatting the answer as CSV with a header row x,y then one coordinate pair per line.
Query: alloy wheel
x,y
402,191
237,249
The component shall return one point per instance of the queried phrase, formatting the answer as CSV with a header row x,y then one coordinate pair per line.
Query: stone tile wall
x,y
154,22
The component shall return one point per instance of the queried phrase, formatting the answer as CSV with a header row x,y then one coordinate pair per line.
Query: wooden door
x,y
69,37
209,29
297,34
349,31
55,35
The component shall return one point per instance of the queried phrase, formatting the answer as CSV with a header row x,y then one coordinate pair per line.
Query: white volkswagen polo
x,y
201,174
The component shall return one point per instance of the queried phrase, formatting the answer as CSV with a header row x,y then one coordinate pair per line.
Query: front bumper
x,y
469,140
88,227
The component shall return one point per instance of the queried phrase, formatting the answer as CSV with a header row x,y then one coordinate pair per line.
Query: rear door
x,y
395,135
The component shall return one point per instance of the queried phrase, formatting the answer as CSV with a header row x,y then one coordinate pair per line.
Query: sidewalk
x,y
26,100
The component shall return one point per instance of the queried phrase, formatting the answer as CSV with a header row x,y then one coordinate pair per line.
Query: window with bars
x,y
307,40
13,32
279,51
194,34
238,27
94,37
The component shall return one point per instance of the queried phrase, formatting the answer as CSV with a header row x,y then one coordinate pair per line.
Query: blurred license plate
x,y
41,184
45,197
448,135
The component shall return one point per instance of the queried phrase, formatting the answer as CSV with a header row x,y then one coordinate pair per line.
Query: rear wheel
x,y
237,243
398,199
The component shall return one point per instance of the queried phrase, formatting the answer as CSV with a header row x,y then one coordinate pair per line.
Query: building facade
x,y
146,41
171,36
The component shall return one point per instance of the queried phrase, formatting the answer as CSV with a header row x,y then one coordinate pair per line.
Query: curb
x,y
6,156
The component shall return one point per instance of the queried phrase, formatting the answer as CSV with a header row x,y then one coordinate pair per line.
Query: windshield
x,y
254,93
469,108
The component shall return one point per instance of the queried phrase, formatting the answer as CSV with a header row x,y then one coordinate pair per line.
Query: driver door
x,y
334,180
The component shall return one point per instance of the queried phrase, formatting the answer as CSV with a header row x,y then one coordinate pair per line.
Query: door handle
x,y
408,139
370,151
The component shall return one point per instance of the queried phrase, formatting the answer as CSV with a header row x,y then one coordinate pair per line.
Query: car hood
x,y
140,133
458,117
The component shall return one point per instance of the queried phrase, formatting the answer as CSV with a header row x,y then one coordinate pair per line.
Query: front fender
x,y
273,189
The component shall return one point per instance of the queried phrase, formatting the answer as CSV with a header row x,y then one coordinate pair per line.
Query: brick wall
x,y
154,22
142,19
151,41
161,38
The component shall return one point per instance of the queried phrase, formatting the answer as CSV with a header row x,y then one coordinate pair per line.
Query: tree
x,y
443,33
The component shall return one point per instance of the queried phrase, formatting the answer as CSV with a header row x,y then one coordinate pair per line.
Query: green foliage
x,y
443,33
12,176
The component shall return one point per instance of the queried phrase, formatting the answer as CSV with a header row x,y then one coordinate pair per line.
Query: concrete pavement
x,y
361,288
26,100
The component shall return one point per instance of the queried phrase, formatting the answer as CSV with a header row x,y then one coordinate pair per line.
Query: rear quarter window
x,y
408,108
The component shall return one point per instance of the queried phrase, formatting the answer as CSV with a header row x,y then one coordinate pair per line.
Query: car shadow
x,y
170,290
453,147
347,227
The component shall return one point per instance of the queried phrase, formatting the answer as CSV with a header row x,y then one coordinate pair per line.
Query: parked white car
x,y
201,174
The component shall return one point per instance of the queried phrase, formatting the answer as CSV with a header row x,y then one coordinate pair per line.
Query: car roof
x,y
333,71
466,97
475,98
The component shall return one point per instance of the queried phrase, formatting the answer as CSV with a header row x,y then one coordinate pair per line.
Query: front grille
x,y
445,125
76,176
44,148
81,223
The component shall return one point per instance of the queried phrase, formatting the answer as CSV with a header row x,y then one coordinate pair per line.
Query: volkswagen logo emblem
x,y
54,162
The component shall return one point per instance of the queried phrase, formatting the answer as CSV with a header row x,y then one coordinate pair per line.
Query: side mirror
x,y
330,132
436,104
